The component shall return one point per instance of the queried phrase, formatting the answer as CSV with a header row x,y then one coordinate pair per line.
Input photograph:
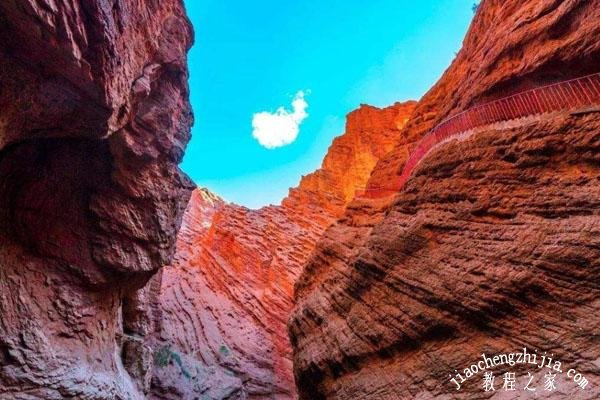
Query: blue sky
x,y
330,56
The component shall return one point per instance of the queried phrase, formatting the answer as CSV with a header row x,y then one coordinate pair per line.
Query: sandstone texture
x,y
94,118
223,304
490,247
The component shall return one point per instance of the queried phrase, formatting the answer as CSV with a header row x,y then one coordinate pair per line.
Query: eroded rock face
x,y
94,118
489,248
225,301
510,47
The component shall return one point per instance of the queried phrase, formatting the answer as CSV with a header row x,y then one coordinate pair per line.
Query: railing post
x,y
580,92
520,106
566,95
540,99
593,89
488,113
531,101
555,100
573,91
497,113
557,96
586,92
537,101
501,110
528,108
505,110
513,107
517,105
595,82
508,109
523,109
534,101
549,100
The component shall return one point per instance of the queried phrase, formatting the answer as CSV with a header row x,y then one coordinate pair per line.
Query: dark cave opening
x,y
45,189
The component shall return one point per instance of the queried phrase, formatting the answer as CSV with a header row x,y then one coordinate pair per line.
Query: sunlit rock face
x,y
490,247
94,118
225,301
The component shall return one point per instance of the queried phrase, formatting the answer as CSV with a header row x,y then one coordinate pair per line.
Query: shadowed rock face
x,y
492,246
225,301
94,118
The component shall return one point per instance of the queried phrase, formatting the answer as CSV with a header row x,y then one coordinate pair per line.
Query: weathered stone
x,y
90,194
226,298
490,247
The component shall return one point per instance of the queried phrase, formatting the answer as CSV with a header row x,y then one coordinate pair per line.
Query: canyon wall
x,y
94,118
490,247
222,306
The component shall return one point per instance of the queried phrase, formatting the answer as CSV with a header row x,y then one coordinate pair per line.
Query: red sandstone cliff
x,y
490,247
224,303
94,118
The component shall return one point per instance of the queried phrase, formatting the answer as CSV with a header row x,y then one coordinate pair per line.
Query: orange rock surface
x,y
490,247
225,301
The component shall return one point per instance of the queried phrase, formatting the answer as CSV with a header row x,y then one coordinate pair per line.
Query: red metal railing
x,y
567,95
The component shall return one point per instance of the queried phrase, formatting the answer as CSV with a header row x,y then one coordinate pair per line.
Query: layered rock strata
x,y
225,301
94,118
490,247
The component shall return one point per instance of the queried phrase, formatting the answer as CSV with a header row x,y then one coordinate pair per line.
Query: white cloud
x,y
280,128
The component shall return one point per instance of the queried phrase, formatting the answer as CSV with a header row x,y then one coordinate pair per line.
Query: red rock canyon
x,y
119,279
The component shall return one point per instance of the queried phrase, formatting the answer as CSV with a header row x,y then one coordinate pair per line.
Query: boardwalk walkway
x,y
568,95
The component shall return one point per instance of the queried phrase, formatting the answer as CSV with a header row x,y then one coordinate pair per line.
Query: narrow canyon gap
x,y
224,303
